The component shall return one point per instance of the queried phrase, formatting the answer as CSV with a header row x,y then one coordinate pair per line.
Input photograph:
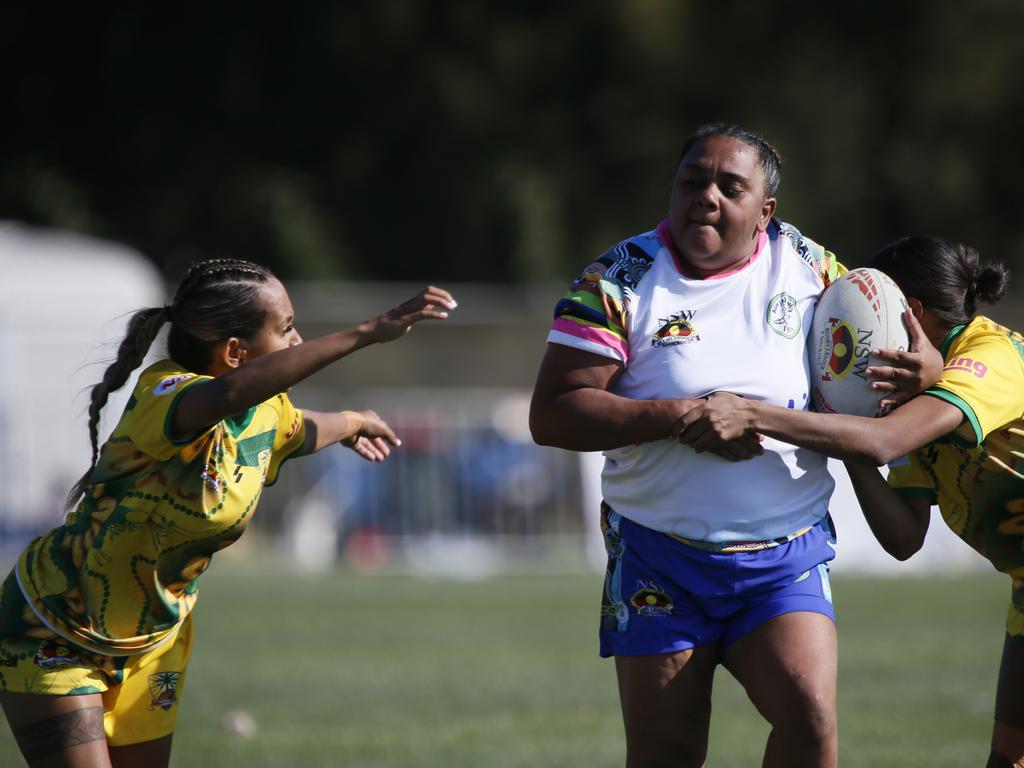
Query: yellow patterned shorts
x,y
140,693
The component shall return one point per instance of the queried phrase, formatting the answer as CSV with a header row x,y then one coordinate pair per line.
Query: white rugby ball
x,y
859,312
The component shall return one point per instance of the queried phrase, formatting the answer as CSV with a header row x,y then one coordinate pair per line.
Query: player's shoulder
x,y
983,334
794,244
163,377
627,262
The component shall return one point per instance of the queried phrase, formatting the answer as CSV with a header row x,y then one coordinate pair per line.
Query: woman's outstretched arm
x,y
238,390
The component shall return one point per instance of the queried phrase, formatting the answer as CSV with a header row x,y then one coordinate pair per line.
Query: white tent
x,y
64,303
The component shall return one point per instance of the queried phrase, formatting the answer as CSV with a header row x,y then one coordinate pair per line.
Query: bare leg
x,y
58,731
147,754
1008,731
666,707
788,667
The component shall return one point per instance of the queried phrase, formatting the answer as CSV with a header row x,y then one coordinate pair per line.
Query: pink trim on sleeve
x,y
593,335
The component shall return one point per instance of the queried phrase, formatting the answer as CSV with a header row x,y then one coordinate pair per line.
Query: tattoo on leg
x,y
55,734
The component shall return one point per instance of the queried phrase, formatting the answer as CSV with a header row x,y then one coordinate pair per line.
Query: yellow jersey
x,y
121,572
976,473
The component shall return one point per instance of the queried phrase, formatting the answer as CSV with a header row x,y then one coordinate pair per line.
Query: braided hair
x,y
216,299
948,278
768,157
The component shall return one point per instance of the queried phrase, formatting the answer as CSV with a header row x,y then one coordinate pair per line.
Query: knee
x,y
811,720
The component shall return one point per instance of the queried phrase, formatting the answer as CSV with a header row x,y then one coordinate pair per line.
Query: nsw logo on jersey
x,y
677,328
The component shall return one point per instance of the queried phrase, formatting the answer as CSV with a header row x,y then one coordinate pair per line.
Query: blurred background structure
x,y
362,149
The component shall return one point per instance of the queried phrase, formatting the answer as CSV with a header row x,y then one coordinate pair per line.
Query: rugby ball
x,y
859,312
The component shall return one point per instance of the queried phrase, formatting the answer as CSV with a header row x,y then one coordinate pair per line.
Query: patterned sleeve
x,y
822,261
908,476
984,380
592,316
830,268
147,417
291,434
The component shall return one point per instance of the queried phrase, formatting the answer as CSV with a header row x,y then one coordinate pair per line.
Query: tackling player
x,y
960,446
95,618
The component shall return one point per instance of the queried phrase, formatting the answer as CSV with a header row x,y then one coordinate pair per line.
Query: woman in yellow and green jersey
x,y
959,445
95,617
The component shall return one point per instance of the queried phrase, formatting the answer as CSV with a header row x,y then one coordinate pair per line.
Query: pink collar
x,y
665,233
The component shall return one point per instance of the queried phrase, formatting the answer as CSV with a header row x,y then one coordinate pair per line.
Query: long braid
x,y
142,330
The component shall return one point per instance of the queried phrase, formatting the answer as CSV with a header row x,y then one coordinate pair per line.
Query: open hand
x,y
373,439
431,303
909,372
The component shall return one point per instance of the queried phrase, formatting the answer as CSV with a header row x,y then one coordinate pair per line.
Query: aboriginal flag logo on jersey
x,y
677,328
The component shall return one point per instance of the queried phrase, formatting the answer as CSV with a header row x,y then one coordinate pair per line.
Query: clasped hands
x,y
724,423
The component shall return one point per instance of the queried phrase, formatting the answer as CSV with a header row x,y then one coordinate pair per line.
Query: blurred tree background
x,y
474,140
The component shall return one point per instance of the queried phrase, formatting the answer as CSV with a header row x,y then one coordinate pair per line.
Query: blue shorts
x,y
663,596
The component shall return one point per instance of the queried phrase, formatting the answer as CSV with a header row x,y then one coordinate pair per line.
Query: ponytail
x,y
142,330
948,278
991,282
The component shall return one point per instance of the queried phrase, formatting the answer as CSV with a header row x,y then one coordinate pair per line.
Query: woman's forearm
x,y
856,438
842,437
589,419
327,428
266,376
899,524
262,378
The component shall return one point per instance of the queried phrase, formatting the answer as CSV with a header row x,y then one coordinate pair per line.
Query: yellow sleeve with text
x,y
983,377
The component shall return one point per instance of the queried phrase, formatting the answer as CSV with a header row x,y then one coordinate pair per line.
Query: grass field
x,y
394,672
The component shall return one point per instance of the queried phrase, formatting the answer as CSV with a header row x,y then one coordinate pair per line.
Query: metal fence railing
x,y
467,492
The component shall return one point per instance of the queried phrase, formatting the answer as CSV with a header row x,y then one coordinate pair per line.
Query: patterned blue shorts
x,y
663,596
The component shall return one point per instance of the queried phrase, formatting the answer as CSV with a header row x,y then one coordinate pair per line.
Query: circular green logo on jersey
x,y
783,315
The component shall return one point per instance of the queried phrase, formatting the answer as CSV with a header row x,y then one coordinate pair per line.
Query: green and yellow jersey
x,y
121,573
976,474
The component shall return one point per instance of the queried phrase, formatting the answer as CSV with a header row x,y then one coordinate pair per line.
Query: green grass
x,y
390,671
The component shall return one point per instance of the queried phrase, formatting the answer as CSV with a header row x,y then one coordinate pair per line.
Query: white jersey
x,y
679,337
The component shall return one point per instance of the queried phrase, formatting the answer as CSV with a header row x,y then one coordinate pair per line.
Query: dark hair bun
x,y
992,280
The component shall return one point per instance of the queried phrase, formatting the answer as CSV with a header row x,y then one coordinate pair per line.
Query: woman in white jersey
x,y
711,559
